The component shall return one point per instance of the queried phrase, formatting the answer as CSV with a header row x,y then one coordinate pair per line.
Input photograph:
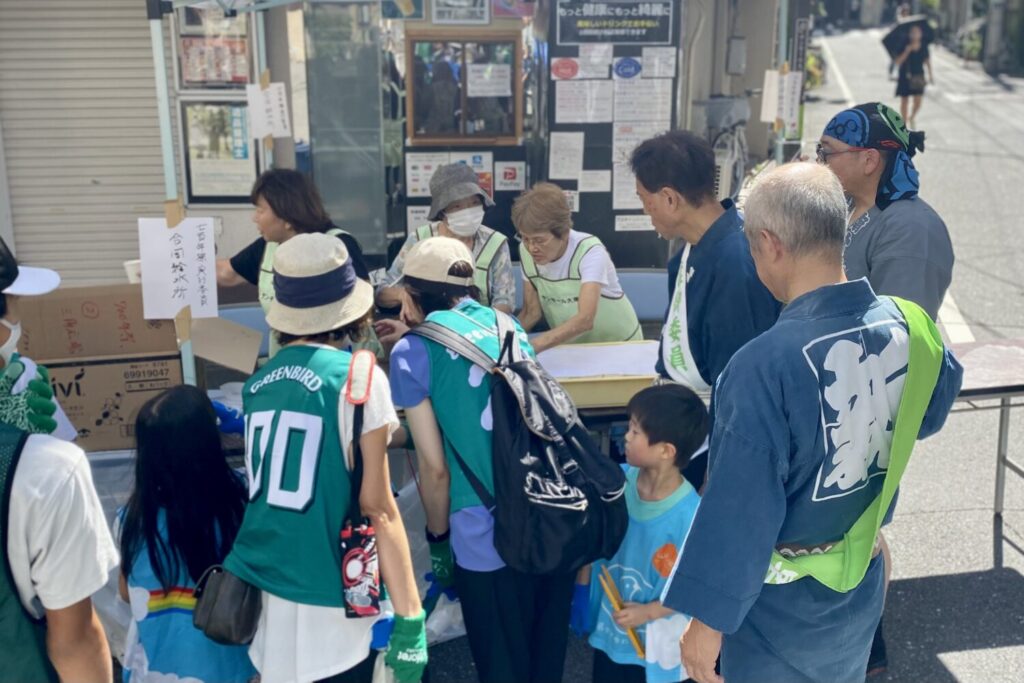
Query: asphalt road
x,y
956,603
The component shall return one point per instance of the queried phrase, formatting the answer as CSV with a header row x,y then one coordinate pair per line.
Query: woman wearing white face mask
x,y
457,210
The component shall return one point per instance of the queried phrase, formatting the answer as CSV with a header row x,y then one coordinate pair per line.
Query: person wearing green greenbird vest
x,y
57,546
287,204
813,424
457,205
300,416
571,282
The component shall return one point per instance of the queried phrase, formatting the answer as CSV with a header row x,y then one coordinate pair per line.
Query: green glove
x,y
32,410
441,562
407,649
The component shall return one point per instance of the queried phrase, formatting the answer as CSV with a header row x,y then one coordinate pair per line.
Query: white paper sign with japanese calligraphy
x,y
178,268
268,111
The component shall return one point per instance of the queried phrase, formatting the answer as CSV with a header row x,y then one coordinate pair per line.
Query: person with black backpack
x,y
508,521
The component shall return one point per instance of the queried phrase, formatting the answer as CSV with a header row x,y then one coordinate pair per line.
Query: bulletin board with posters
x,y
613,82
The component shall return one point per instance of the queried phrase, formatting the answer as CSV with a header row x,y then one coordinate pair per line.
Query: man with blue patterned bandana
x,y
779,571
895,239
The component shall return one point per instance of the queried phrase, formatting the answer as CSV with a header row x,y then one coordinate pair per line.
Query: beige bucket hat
x,y
315,286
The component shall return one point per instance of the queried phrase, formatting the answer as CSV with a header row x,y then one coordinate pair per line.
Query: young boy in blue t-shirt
x,y
667,425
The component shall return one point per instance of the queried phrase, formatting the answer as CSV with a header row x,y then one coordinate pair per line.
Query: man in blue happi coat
x,y
716,303
803,421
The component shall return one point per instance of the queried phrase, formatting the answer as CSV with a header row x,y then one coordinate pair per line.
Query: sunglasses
x,y
823,154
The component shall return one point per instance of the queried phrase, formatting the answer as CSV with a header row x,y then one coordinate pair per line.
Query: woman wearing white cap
x,y
57,546
300,416
26,399
516,623
457,206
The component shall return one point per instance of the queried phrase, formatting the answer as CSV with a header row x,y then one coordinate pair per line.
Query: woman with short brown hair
x,y
571,281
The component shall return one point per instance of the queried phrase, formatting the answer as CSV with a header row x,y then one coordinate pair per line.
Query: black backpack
x,y
558,502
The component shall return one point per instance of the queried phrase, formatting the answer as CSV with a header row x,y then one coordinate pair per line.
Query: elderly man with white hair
x,y
814,421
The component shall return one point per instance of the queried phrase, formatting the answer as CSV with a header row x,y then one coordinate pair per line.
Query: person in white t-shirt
x,y
571,281
58,550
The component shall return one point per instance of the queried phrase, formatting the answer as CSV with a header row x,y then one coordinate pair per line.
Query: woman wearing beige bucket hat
x,y
516,623
457,206
300,461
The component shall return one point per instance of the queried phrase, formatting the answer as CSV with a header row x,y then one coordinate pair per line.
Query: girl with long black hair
x,y
182,517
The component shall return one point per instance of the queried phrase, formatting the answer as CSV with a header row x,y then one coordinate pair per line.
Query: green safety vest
x,y
24,658
483,260
464,414
298,479
616,320
266,295
843,566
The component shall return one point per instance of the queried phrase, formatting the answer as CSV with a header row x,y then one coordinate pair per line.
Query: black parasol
x,y
895,41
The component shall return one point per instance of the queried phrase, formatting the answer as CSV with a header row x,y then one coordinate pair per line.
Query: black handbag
x,y
227,608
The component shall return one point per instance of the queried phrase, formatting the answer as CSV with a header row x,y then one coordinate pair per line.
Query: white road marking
x,y
953,323
833,66
950,319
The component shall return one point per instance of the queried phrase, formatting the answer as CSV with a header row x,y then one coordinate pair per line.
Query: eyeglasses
x,y
540,241
823,154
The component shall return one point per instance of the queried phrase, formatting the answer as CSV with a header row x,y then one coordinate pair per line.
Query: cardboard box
x,y
105,359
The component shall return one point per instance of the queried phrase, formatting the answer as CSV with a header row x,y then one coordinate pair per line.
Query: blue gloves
x,y
229,420
579,616
434,592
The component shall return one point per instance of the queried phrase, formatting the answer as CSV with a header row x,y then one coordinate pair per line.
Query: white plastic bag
x,y
445,622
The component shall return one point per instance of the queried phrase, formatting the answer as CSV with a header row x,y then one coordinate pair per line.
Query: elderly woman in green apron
x,y
571,281
457,210
287,204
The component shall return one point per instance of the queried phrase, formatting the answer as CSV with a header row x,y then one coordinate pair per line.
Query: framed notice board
x,y
612,82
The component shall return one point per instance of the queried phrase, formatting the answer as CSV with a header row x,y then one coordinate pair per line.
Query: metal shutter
x,y
82,143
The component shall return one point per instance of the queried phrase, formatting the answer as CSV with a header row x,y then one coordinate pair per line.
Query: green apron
x,y
615,321
266,295
843,566
483,260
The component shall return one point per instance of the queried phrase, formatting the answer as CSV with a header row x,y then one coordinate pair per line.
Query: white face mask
x,y
10,347
467,222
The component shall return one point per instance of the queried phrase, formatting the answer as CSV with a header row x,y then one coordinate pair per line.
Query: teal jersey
x,y
466,421
299,486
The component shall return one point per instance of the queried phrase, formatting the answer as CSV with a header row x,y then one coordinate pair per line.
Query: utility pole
x,y
783,52
994,35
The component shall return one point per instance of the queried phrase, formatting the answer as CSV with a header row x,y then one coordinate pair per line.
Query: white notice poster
x,y
626,136
792,89
509,176
268,111
584,101
597,53
633,223
595,181
624,188
419,166
566,156
572,197
178,268
770,97
415,216
489,80
568,68
639,99
659,62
